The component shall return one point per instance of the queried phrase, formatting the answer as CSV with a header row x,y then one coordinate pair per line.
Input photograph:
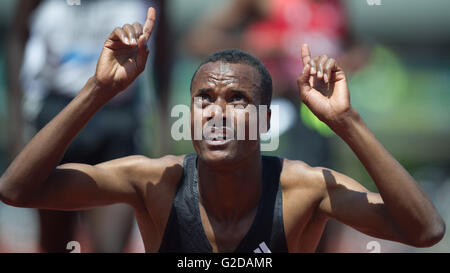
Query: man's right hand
x,y
124,55
34,178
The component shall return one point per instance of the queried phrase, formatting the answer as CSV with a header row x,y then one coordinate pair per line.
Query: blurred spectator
x,y
57,46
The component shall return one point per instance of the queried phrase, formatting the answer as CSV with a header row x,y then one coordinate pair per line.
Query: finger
x,y
142,50
339,79
314,65
321,65
142,57
338,74
303,81
330,66
119,35
129,30
149,23
306,54
143,53
138,30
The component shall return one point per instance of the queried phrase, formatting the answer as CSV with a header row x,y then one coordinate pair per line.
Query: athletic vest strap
x,y
184,231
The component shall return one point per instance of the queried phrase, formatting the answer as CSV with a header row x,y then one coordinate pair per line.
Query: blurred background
x,y
395,53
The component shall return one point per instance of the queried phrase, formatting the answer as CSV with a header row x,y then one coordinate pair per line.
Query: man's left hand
x,y
323,88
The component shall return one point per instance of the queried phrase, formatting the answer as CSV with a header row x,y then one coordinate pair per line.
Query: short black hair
x,y
238,56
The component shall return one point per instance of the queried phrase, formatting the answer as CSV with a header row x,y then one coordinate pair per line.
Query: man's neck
x,y
229,195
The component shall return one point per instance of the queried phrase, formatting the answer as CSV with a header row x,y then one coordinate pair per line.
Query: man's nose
x,y
217,110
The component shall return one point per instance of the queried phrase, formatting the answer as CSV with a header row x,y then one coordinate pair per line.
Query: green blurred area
x,y
403,93
406,106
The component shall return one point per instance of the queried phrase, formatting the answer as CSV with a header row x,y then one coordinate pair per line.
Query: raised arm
x,y
33,178
401,211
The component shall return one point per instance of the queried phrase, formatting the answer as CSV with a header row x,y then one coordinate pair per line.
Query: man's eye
x,y
205,97
238,99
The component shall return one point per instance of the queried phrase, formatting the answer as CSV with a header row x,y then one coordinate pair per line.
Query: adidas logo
x,y
262,248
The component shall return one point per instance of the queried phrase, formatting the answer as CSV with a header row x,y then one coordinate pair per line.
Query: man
x,y
228,197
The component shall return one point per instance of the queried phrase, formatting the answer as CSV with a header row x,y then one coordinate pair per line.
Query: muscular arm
x,y
401,211
33,178
76,186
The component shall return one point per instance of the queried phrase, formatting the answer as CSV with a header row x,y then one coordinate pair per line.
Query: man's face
x,y
216,86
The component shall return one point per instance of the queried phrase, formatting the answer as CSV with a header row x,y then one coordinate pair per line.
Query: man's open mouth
x,y
218,136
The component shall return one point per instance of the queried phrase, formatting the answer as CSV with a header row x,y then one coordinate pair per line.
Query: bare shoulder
x,y
297,174
139,169
142,169
154,179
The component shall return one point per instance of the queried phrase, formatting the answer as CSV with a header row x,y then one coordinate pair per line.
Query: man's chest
x,y
226,237
301,224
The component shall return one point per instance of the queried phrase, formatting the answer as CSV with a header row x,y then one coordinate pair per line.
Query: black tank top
x,y
184,231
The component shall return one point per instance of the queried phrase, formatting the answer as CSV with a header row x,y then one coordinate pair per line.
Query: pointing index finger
x,y
149,22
